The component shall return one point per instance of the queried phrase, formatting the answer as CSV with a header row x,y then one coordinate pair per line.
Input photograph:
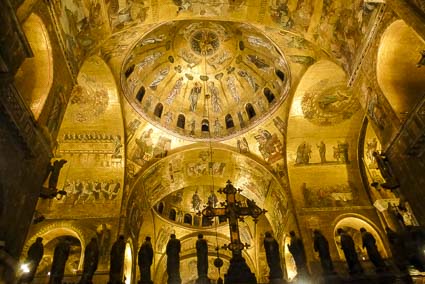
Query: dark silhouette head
x,y
268,235
173,236
39,239
362,230
340,231
121,237
200,236
148,239
292,233
316,232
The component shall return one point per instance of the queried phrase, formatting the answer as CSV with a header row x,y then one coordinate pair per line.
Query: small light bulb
x,y
25,267
48,273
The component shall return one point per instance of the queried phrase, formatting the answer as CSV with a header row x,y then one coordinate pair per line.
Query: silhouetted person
x,y
321,246
296,248
173,260
91,259
34,256
117,261
202,259
145,259
348,247
369,243
60,256
273,256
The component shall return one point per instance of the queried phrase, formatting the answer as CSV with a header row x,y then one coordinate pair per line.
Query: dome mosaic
x,y
205,79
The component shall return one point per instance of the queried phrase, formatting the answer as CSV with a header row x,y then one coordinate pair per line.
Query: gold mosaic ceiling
x,y
205,79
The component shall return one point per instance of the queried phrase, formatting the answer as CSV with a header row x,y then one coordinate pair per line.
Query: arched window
x,y
158,110
181,121
141,94
250,110
269,95
129,71
161,208
172,214
187,219
205,125
280,74
229,121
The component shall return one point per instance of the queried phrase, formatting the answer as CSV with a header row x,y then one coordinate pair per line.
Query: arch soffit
x,y
402,86
35,76
233,162
357,221
56,230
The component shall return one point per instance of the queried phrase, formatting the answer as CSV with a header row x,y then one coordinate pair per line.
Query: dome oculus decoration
x,y
205,79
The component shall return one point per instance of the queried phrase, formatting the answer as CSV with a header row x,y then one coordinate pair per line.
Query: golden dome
x,y
205,79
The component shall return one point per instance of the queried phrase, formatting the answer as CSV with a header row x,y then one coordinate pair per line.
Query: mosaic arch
x,y
195,167
57,230
402,86
352,224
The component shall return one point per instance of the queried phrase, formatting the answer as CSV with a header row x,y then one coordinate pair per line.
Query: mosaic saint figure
x,y
148,60
175,91
217,127
233,90
196,201
215,99
144,146
194,95
249,79
159,77
322,152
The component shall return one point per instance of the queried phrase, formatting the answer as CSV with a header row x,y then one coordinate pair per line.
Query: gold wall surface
x,y
300,157
91,140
